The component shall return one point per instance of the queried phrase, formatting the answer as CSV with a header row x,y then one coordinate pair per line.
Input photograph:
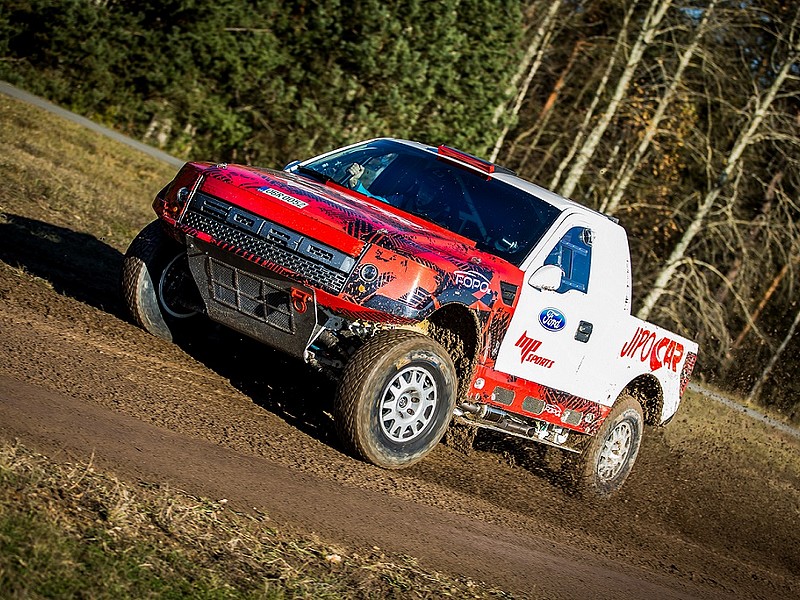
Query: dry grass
x,y
61,173
68,529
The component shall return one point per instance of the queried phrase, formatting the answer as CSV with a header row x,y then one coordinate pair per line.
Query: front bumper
x,y
251,300
275,246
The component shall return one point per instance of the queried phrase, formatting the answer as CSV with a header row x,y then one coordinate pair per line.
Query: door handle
x,y
584,331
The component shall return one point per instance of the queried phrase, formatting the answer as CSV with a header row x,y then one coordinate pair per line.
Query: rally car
x,y
436,287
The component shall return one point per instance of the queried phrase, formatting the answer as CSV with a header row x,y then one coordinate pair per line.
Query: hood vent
x,y
508,292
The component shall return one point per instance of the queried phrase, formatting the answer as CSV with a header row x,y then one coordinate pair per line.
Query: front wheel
x,y
159,290
396,398
604,465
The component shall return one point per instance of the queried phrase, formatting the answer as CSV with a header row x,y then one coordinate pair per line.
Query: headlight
x,y
182,196
369,272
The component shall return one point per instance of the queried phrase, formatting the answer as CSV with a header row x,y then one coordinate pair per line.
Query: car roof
x,y
506,176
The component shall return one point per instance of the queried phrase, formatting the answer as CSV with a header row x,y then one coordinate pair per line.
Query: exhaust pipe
x,y
525,430
498,417
484,411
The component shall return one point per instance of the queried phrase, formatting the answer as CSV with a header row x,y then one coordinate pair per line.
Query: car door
x,y
550,333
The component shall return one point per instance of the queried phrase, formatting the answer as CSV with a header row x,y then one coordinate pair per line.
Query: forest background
x,y
680,118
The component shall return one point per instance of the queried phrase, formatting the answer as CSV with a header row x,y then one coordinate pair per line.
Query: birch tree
x,y
531,61
544,114
761,103
599,92
652,21
624,176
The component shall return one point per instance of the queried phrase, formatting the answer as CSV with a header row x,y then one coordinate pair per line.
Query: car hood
x,y
344,219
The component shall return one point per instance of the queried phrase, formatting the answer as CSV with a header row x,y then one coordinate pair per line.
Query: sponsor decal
x,y
528,347
472,281
552,319
660,352
553,409
283,197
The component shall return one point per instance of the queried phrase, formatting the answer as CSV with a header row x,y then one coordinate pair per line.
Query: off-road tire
x,y
144,265
605,463
369,424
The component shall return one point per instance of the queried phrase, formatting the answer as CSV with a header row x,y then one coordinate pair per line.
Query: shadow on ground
x,y
82,267
75,264
282,385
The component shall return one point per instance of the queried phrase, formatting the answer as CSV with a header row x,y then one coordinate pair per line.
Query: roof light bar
x,y
484,166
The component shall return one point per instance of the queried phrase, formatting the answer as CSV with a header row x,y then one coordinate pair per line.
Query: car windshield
x,y
499,218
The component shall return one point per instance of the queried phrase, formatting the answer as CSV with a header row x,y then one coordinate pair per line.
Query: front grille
x,y
250,295
311,261
215,208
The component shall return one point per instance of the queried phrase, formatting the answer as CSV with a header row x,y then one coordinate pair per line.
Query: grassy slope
x,y
60,173
66,530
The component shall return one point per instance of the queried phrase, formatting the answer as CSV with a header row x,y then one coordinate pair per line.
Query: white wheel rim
x,y
408,404
616,451
169,281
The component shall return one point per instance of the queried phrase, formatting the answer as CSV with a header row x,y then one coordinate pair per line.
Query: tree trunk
x,y
601,88
531,62
623,179
746,137
756,389
756,313
544,114
655,14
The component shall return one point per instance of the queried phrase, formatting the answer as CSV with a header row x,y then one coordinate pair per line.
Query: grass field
x,y
68,531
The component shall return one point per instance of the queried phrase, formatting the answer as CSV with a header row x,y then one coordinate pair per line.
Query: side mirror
x,y
546,278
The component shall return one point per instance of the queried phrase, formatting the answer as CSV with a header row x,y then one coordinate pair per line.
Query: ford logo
x,y
552,319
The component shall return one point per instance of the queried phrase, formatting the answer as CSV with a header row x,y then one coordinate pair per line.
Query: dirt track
x,y
225,417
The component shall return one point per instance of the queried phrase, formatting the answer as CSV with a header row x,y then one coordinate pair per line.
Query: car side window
x,y
573,253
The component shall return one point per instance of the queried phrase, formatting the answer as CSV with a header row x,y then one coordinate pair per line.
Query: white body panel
x,y
582,339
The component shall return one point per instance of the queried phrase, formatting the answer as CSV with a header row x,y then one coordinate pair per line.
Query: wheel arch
x,y
647,390
457,328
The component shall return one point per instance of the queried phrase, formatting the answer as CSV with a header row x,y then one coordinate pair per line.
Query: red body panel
x,y
555,405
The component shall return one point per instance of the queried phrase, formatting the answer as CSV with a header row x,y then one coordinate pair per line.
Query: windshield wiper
x,y
321,177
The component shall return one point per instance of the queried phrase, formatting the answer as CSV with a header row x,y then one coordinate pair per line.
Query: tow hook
x,y
300,300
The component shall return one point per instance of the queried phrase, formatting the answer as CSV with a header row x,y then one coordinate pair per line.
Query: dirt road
x,y
224,417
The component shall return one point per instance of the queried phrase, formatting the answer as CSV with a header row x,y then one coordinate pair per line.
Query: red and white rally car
x,y
433,284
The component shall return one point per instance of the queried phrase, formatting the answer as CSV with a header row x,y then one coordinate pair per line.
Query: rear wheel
x,y
396,398
158,287
602,468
